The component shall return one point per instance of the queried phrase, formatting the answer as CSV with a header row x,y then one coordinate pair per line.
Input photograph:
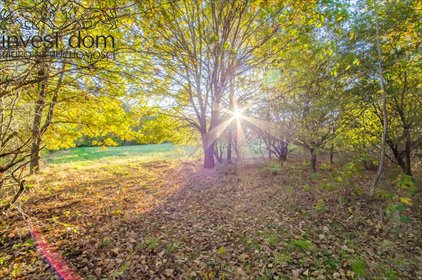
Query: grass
x,y
301,244
88,155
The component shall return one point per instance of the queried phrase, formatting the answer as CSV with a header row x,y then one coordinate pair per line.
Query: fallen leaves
x,y
169,221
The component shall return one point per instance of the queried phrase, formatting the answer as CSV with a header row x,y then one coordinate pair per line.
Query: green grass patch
x,y
301,244
87,154
272,239
153,243
359,267
282,258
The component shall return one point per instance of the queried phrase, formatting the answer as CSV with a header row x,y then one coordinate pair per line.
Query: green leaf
x,y
400,207
405,219
29,243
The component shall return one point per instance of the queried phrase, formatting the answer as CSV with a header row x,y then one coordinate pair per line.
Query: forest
x,y
210,139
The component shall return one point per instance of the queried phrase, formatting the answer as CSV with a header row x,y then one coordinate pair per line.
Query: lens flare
x,y
237,114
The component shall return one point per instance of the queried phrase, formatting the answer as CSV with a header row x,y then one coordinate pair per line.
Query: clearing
x,y
168,219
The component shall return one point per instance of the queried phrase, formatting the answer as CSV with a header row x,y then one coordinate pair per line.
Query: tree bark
x,y
39,107
208,139
36,129
285,147
218,151
384,107
407,152
208,155
229,144
402,157
313,160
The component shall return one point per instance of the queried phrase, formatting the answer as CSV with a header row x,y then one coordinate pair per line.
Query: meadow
x,y
89,155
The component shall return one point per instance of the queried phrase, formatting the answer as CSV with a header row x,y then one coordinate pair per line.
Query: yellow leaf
x,y
406,201
221,250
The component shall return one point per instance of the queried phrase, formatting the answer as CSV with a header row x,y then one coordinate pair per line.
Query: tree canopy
x,y
216,74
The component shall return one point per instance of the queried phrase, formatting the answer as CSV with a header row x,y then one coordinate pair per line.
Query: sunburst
x,y
238,115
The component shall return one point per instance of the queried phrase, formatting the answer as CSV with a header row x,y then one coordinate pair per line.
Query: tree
x,y
42,83
398,48
312,96
201,46
384,104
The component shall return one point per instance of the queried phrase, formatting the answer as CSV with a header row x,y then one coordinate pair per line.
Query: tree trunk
x,y
209,138
313,159
39,107
332,154
35,156
284,150
208,155
218,152
229,144
402,157
36,129
230,128
384,107
407,152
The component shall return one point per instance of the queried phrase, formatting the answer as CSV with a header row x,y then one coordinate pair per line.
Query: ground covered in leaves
x,y
172,220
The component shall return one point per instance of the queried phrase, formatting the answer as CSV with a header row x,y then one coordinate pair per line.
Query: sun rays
x,y
237,113
239,119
